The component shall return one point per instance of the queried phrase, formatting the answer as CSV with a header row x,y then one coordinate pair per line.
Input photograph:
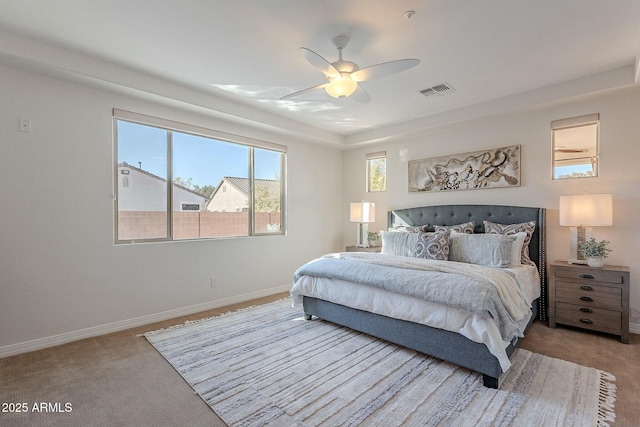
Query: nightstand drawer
x,y
591,318
589,294
592,274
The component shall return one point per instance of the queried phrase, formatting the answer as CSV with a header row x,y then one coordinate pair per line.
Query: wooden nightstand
x,y
590,298
369,249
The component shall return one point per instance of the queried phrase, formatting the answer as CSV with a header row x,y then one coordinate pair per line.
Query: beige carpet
x,y
267,366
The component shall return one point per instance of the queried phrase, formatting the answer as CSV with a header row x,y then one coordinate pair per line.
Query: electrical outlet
x,y
214,282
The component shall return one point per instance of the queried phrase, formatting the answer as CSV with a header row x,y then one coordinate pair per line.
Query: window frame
x,y
172,126
369,158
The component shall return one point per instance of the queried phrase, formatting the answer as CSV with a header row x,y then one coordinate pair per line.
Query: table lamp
x,y
581,212
362,213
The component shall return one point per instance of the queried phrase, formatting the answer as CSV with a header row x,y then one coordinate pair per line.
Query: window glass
x,y
142,182
267,191
200,166
575,147
376,172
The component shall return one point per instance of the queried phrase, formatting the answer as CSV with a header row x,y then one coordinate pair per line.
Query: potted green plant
x,y
595,252
373,237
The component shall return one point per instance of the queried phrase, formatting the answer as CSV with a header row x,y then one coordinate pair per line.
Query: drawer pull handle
x,y
589,321
586,276
587,299
586,310
586,288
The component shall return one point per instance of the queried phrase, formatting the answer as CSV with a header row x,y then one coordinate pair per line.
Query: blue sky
x,y
204,160
568,170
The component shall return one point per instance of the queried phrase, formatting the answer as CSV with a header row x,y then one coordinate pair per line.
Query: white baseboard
x,y
51,341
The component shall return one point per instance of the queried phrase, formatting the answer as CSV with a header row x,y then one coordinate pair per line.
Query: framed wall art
x,y
498,167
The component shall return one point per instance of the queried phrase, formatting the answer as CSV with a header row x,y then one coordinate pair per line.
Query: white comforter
x,y
474,326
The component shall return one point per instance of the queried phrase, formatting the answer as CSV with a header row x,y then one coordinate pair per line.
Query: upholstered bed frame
x,y
439,343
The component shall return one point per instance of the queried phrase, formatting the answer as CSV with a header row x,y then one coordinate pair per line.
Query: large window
x,y
377,171
222,185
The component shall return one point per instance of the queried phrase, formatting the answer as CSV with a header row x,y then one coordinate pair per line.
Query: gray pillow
x,y
491,250
433,246
399,243
509,229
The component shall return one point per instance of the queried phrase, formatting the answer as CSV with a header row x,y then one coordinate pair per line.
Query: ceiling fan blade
x,y
319,62
571,150
360,95
384,69
303,91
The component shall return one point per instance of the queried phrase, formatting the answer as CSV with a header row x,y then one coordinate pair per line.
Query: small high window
x,y
575,147
377,171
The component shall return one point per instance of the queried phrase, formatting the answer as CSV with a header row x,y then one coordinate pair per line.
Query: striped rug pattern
x,y
268,366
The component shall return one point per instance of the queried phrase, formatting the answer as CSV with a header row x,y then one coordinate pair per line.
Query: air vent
x,y
440,89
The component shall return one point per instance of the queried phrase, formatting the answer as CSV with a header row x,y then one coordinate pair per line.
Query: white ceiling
x,y
241,56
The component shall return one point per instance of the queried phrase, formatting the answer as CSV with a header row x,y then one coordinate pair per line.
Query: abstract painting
x,y
498,167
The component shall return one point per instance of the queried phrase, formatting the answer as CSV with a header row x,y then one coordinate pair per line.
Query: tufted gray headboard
x,y
458,214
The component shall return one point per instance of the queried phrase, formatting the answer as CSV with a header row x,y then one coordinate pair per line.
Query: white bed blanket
x,y
474,326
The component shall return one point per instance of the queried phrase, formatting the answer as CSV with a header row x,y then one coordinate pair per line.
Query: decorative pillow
x,y
410,229
399,243
491,250
516,248
509,229
433,245
467,227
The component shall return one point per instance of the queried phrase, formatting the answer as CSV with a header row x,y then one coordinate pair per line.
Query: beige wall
x,y
61,276
619,172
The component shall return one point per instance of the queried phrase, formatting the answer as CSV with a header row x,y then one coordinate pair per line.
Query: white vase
x,y
596,262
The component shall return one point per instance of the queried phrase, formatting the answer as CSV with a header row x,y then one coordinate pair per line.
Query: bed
x,y
469,343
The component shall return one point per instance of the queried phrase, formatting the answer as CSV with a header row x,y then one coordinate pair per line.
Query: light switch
x,y
25,125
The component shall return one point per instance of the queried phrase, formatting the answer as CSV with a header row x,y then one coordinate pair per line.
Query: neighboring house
x,y
139,190
232,193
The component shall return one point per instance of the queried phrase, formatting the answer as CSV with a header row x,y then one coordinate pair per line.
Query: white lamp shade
x,y
362,212
589,210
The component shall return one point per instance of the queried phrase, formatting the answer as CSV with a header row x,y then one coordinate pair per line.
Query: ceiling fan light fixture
x,y
341,87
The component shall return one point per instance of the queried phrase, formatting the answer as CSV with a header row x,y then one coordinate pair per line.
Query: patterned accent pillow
x,y
410,229
466,228
433,245
509,229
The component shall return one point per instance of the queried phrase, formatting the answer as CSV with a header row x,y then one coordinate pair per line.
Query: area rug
x,y
267,366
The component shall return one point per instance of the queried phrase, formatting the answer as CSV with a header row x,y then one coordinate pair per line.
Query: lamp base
x,y
577,236
363,235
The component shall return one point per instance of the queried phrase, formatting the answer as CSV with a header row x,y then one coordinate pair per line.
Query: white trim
x,y
195,130
589,119
54,340
376,155
634,328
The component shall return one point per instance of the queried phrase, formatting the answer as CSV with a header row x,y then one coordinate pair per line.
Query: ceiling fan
x,y
344,76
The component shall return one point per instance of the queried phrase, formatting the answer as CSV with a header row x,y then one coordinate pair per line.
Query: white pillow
x,y
399,243
491,250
